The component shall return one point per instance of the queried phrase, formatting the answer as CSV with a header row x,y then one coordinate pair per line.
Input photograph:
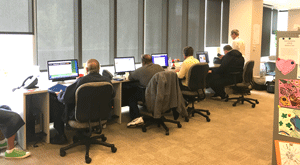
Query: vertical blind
x,y
213,23
16,16
266,32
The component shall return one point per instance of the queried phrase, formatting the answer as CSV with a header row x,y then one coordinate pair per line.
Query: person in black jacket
x,y
233,61
61,116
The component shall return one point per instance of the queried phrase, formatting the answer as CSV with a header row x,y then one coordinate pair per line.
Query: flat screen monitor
x,y
60,70
160,59
202,56
124,64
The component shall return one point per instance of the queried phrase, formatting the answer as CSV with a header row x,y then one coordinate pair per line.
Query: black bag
x,y
270,86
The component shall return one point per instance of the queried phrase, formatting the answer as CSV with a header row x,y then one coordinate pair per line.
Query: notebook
x,y
57,88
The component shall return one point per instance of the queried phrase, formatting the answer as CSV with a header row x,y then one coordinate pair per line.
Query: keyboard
x,y
118,79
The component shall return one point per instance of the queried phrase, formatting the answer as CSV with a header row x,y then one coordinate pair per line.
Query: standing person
x,y
189,60
233,61
68,99
237,43
10,123
143,75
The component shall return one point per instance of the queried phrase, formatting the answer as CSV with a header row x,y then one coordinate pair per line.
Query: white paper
x,y
289,49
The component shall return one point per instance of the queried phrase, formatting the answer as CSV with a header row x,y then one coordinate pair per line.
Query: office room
x,y
33,32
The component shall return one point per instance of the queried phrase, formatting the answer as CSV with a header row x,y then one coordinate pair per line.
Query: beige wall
x,y
244,16
293,20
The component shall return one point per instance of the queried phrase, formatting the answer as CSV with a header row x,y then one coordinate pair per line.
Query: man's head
x,y
227,48
234,33
188,51
146,59
92,66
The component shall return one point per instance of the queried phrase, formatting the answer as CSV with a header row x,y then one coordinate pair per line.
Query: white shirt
x,y
239,45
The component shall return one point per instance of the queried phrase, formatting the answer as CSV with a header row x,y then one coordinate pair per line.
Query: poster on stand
x,y
289,122
287,153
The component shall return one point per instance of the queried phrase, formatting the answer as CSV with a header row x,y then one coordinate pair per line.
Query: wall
x,y
244,16
293,20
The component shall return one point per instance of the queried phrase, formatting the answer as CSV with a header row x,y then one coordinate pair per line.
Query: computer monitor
x,y
202,56
124,64
160,59
60,70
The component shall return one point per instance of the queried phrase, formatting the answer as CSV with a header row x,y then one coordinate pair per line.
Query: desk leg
x,y
118,101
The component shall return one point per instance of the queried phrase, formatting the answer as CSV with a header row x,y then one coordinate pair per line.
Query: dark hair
x,y
146,59
235,31
188,51
93,66
227,47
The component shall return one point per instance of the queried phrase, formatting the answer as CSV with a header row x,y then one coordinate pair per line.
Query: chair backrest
x,y
93,101
197,76
248,72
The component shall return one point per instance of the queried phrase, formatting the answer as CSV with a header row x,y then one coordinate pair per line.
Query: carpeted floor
x,y
239,135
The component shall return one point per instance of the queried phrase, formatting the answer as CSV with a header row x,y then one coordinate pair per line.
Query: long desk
x,y
39,99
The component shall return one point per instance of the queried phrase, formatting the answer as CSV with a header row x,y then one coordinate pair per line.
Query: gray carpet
x,y
239,135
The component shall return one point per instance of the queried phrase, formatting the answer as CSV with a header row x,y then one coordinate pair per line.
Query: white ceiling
x,y
284,4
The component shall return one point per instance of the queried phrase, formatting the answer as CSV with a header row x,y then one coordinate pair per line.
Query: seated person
x,y
143,75
10,123
185,66
62,116
233,61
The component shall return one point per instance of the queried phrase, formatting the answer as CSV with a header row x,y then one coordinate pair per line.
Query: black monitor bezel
x,y
122,73
202,52
159,54
65,78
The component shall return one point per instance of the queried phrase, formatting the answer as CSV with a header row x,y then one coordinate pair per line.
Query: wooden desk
x,y
25,100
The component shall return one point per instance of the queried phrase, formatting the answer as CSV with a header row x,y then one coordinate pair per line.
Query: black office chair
x,y
158,104
196,84
244,87
92,105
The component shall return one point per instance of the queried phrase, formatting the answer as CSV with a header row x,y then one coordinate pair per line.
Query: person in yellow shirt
x,y
189,60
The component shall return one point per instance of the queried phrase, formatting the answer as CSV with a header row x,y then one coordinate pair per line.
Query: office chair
x,y
196,84
244,87
163,95
92,105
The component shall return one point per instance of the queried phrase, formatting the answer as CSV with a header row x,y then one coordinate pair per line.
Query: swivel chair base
x,y
160,122
87,141
192,110
241,99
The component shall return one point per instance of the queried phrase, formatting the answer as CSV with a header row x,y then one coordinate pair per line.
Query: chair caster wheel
x,y
186,119
113,149
208,113
208,119
193,114
144,129
62,153
88,160
179,125
104,138
226,100
257,102
234,105
167,133
253,105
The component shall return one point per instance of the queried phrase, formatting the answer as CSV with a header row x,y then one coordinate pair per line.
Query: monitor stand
x,y
61,82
